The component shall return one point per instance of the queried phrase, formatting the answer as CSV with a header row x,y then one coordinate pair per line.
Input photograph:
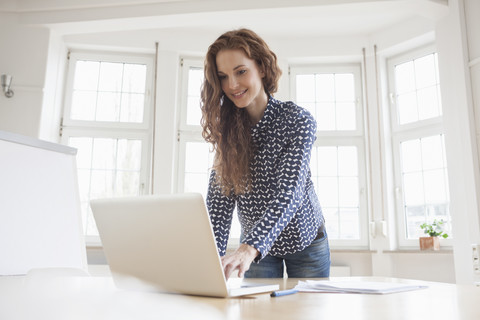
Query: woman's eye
x,y
221,77
240,72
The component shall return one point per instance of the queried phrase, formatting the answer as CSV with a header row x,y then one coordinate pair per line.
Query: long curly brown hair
x,y
224,125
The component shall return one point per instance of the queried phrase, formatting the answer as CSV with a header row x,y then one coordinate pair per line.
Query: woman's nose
x,y
232,83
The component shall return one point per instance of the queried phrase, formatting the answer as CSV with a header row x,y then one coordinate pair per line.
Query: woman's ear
x,y
262,73
261,69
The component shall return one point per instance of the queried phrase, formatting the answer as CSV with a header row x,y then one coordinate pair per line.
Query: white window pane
x,y
425,73
334,98
314,163
132,107
347,161
91,226
196,182
83,105
407,108
417,89
98,94
344,87
102,184
327,161
428,106
83,176
305,87
104,153
332,220
325,87
108,167
432,152
197,157
439,211
134,78
111,77
86,75
346,117
326,116
84,151
194,113
108,106
311,107
411,153
127,183
405,77
439,101
328,191
236,229
413,189
348,192
349,224
415,216
129,154
195,80
447,190
435,190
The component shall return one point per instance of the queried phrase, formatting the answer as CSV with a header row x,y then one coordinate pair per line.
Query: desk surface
x,y
98,298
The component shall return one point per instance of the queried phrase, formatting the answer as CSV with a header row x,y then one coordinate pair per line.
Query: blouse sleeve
x,y
291,172
220,208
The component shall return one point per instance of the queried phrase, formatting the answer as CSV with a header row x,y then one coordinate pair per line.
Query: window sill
x,y
351,250
418,251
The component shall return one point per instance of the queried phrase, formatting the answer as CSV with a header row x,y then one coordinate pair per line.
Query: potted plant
x,y
435,231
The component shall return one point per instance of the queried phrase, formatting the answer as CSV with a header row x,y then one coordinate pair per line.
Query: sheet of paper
x,y
344,286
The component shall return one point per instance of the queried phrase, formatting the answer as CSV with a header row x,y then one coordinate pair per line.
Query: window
x,y
195,156
107,118
418,143
333,95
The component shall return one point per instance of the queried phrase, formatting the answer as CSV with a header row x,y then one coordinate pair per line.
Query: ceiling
x,y
268,17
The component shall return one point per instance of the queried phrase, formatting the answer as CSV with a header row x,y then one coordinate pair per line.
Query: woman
x,y
262,154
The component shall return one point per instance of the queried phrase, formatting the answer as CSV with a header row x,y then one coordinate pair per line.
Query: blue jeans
x,y
312,262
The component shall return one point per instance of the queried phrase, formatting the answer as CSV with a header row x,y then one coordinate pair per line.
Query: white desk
x,y
93,298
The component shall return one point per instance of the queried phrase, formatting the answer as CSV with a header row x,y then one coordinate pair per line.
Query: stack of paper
x,y
355,286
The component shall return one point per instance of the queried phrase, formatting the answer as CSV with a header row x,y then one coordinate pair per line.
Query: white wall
x,y
472,38
23,55
36,59
459,138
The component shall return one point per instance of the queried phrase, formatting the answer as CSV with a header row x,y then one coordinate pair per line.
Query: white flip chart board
x,y
40,221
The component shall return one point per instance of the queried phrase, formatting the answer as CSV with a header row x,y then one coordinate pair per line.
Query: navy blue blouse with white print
x,y
281,213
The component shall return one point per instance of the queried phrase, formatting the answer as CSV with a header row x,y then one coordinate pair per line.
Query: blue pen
x,y
283,292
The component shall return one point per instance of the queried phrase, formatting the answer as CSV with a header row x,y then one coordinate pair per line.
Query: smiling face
x,y
241,81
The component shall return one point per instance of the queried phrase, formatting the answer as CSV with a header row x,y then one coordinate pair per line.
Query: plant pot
x,y
429,243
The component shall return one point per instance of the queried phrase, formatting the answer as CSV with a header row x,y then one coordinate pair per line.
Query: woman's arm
x,y
220,208
292,172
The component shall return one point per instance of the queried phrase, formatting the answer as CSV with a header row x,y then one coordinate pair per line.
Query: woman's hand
x,y
240,259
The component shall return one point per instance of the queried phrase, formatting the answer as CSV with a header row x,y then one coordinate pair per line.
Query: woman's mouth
x,y
239,94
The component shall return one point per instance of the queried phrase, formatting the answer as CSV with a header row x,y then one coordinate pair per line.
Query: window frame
x,y
344,138
404,132
391,63
106,129
355,69
75,56
186,133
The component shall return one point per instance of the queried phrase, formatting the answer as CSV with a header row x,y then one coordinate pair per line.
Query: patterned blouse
x,y
281,214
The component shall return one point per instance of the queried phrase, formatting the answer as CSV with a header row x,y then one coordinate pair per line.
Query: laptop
x,y
166,241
